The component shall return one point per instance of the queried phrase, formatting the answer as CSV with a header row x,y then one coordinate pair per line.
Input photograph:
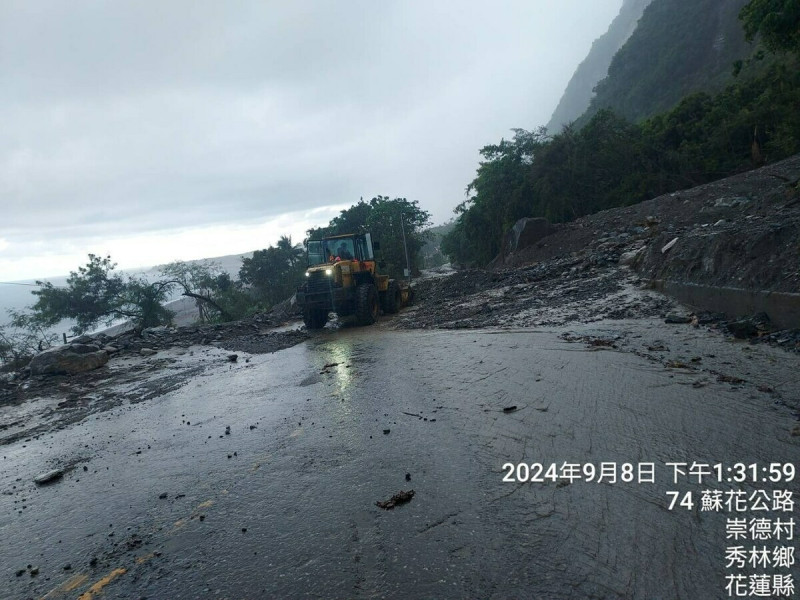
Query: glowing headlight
x,y
308,274
328,271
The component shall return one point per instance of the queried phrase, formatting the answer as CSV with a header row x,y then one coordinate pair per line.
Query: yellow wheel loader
x,y
342,277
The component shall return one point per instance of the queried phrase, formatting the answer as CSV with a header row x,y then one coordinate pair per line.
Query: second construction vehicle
x,y
342,277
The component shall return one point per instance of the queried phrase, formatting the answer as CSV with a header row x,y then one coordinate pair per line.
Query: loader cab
x,y
344,247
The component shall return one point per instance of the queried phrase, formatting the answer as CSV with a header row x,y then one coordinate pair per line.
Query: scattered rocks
x,y
677,364
788,339
629,258
386,431
48,477
396,500
510,409
729,379
669,245
675,319
147,351
749,327
233,357
601,343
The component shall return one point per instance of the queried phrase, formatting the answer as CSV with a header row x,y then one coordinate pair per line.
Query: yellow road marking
x,y
143,559
99,585
195,513
69,585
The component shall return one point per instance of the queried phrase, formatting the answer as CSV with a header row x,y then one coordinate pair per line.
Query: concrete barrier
x,y
783,308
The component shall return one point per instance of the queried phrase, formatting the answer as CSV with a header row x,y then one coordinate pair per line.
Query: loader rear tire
x,y
393,298
366,304
315,318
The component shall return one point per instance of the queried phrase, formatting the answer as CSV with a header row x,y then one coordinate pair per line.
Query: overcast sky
x,y
164,130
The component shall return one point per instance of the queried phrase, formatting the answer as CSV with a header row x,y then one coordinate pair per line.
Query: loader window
x,y
363,249
316,254
343,249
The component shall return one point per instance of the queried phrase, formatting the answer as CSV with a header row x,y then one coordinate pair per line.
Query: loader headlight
x,y
308,274
328,271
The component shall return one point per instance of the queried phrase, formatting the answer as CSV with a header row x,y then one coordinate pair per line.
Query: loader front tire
x,y
366,304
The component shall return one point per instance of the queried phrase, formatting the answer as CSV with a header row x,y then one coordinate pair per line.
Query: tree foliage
x,y
777,22
275,272
94,295
612,162
22,340
217,296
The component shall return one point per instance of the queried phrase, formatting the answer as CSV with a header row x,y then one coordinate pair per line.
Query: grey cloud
x,y
141,116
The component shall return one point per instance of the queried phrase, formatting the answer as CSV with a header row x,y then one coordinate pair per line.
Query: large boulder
x,y
526,232
69,359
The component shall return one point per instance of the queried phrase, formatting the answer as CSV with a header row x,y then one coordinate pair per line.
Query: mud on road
x,y
261,478
141,368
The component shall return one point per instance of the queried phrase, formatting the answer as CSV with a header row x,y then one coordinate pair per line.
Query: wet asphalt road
x,y
284,505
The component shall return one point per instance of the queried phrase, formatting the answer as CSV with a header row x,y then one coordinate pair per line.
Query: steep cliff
x,y
678,47
580,88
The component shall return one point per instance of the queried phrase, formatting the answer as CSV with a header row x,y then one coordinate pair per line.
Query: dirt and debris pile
x,y
254,335
133,368
586,286
742,232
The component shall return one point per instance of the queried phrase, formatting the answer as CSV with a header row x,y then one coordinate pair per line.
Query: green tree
x,y
143,302
274,273
21,341
95,295
777,22
217,296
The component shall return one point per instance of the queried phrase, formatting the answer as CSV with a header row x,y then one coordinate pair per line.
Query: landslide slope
x,y
742,231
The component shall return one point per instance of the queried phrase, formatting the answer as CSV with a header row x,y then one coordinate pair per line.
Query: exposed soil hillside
x,y
743,231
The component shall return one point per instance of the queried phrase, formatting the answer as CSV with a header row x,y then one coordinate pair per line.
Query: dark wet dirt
x,y
272,469
36,405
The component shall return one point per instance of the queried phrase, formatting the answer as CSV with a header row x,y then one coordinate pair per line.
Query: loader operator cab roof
x,y
340,247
